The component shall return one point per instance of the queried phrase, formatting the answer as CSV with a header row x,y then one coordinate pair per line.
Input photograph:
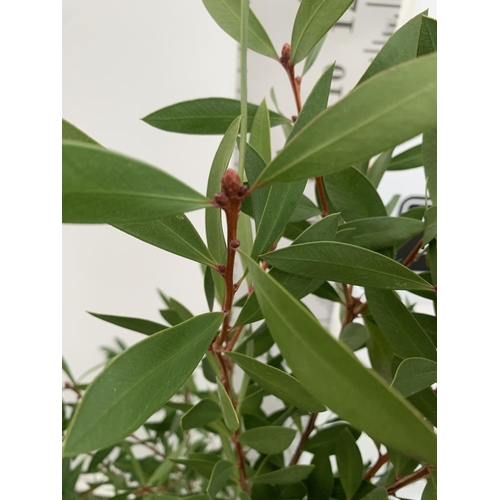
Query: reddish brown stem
x,y
382,459
320,186
67,385
234,338
421,473
413,254
305,436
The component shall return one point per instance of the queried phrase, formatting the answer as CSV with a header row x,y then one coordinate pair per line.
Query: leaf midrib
x,y
133,387
346,132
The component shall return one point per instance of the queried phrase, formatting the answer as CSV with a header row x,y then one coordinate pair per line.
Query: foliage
x,y
146,427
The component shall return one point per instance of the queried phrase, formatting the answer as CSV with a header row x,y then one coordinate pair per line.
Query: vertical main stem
x,y
245,8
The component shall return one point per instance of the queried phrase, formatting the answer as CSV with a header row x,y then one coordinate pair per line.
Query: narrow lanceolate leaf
x,y
254,164
289,475
313,20
313,55
260,135
392,204
428,36
354,336
135,324
353,195
414,375
211,115
213,218
227,14
378,169
430,491
280,204
278,383
72,133
316,102
429,155
221,473
377,233
379,493
411,158
305,209
349,462
175,234
430,217
101,186
268,439
299,286
344,263
137,382
203,413
228,412
371,119
399,326
353,392
320,481
406,44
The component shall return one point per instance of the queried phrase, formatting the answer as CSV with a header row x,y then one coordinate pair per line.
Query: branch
x,y
421,473
305,436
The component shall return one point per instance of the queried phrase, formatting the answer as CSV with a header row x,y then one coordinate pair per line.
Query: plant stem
x,y
421,473
245,8
382,459
295,84
305,436
147,445
413,254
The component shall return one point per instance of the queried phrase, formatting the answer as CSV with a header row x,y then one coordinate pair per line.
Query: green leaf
x,y
68,372
432,255
378,169
325,440
354,336
320,481
254,164
213,218
282,200
430,217
305,210
377,233
203,465
428,36
289,475
229,413
313,55
209,287
278,383
323,230
333,261
72,133
429,324
380,350
260,135
102,186
404,45
350,463
399,326
392,204
227,14
379,493
429,155
175,234
316,102
411,158
203,413
221,473
269,440
414,375
327,292
369,120
430,491
353,195
137,382
207,116
135,324
313,20
352,391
